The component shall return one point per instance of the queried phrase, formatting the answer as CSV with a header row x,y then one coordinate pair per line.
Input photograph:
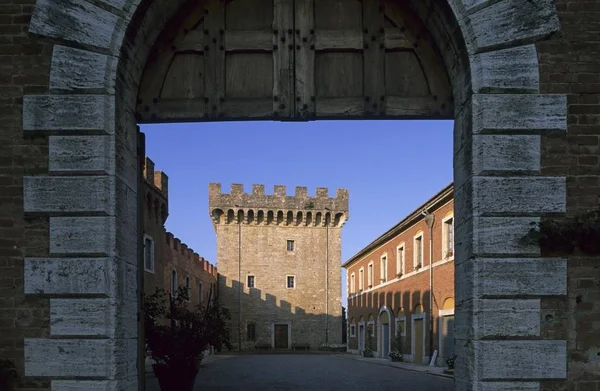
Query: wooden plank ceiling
x,y
293,60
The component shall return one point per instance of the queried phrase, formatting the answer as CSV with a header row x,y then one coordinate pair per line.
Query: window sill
x,y
149,271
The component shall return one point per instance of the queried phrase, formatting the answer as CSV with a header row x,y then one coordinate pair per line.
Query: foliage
x,y
396,353
177,332
564,236
333,347
368,350
450,362
8,375
344,326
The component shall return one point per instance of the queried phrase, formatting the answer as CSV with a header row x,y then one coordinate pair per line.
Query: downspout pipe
x,y
430,220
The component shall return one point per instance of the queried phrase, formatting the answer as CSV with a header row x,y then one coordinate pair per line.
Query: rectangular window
x,y
174,283
188,288
291,283
449,238
250,281
371,329
400,260
361,279
370,275
290,245
251,330
352,330
200,293
418,250
148,254
383,269
352,284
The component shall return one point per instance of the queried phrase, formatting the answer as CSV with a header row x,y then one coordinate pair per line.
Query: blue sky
x,y
389,168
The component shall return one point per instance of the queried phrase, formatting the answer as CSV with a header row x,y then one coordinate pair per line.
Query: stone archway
x,y
99,55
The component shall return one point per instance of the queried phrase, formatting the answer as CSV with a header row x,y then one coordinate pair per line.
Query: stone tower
x,y
279,262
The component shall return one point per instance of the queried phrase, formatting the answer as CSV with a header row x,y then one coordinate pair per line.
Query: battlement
x,y
279,208
158,179
175,245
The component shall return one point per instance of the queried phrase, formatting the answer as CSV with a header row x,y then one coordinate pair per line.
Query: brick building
x,y
278,259
169,263
389,286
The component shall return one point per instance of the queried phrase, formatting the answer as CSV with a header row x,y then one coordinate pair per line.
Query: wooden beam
x,y
305,58
214,68
176,110
373,57
395,39
193,42
337,39
248,40
282,104
416,106
339,107
247,108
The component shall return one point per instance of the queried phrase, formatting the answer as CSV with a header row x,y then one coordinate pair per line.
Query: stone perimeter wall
x,y
506,106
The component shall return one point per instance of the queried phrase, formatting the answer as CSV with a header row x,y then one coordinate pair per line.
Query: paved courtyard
x,y
309,372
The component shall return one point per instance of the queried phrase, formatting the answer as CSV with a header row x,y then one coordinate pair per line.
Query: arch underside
x,y
294,60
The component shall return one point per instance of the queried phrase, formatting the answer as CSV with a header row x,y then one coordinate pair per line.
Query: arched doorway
x,y
90,111
384,344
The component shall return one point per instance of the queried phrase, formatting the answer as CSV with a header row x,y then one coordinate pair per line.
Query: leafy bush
x,y
396,353
366,352
450,362
565,235
333,347
8,375
177,332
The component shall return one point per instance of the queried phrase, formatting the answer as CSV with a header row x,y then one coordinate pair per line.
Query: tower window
x,y
290,245
291,282
250,281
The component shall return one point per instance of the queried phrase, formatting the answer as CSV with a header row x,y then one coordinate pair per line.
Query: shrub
x,y
176,331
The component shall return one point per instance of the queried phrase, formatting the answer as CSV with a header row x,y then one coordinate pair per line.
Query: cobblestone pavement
x,y
310,372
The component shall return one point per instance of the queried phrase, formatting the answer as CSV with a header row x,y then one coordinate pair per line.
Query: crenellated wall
x,y
169,252
188,263
279,208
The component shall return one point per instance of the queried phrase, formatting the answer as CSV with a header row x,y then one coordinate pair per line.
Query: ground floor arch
x,y
91,203
385,332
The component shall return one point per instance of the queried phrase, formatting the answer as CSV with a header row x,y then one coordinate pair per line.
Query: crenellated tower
x,y
277,209
279,262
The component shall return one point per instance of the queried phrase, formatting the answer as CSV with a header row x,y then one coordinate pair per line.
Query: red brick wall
x,y
404,295
570,64
177,256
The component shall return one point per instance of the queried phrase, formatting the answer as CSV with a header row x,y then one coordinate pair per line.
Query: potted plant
x,y
178,333
450,362
368,352
8,375
396,353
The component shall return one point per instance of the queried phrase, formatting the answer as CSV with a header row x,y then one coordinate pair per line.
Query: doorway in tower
x,y
281,336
